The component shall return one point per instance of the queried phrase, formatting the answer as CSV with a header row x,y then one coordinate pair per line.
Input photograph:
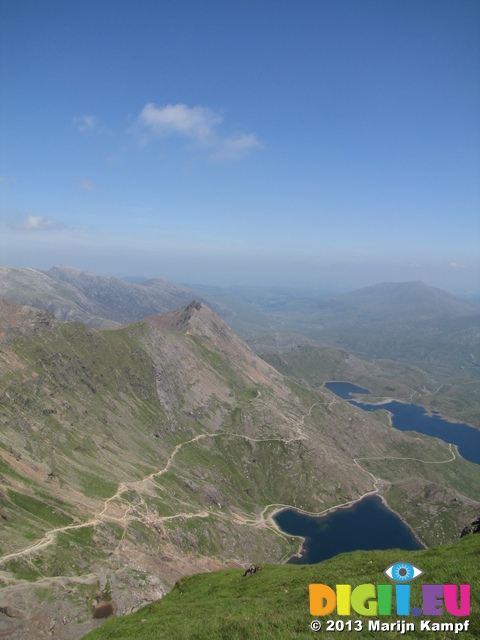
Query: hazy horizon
x,y
330,144
317,288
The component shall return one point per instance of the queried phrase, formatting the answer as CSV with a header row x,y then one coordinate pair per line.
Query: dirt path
x,y
454,457
47,540
128,516
269,521
50,536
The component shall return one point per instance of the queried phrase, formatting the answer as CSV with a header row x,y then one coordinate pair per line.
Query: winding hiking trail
x,y
131,513
277,506
50,536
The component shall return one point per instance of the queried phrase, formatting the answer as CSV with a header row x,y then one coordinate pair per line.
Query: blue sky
x,y
329,143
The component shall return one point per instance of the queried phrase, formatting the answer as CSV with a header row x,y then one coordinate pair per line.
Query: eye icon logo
x,y
402,572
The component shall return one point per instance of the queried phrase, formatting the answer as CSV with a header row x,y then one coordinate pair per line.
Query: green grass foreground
x,y
274,603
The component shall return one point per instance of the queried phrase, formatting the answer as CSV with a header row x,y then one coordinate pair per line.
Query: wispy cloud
x,y
236,146
87,185
197,124
37,223
85,122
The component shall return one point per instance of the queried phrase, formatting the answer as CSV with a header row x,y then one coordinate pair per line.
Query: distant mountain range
x,y
99,301
388,301
395,302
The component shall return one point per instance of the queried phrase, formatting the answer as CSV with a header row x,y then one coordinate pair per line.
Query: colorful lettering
x,y
343,599
432,599
384,595
362,601
370,600
402,594
322,600
450,596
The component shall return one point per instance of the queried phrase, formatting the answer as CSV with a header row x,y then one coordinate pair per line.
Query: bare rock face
x,y
474,527
12,612
17,321
199,320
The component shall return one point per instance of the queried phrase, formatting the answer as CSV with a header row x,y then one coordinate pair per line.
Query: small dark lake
x,y
366,525
345,389
410,417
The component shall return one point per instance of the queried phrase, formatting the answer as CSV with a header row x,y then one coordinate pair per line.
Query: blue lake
x,y
369,524
366,525
410,417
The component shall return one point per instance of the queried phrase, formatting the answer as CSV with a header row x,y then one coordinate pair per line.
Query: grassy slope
x,y
75,401
88,399
274,603
102,391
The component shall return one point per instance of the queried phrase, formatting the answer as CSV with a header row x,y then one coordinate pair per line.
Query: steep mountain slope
x,y
198,319
74,295
274,603
131,457
423,342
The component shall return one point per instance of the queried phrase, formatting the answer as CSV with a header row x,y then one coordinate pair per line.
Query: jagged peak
x,y
179,320
196,318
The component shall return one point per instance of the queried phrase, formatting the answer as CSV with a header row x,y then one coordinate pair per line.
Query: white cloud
x,y
198,124
87,185
85,122
193,122
456,265
236,146
37,223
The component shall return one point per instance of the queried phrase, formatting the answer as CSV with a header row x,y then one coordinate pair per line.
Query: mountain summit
x,y
199,320
402,301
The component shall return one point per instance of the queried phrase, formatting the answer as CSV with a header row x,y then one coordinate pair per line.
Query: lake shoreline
x,y
408,416
386,400
345,391
332,510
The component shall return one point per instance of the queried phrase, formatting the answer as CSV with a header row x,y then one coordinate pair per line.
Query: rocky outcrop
x,y
473,527
18,321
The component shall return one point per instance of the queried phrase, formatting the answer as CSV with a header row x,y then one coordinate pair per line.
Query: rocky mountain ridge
x,y
74,295
131,457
